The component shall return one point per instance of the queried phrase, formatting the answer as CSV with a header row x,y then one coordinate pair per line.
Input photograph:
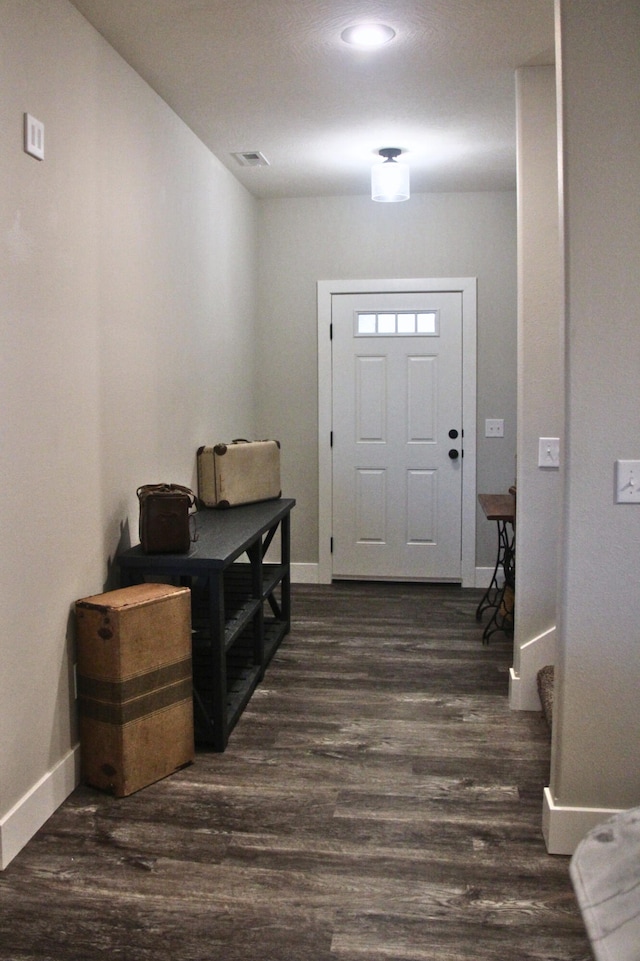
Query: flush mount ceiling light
x,y
368,35
389,179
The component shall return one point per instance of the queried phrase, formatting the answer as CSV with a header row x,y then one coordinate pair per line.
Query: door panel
x,y
397,392
371,509
421,506
371,406
421,379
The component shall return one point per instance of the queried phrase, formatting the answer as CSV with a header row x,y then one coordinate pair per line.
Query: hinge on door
x,y
332,545
330,331
331,438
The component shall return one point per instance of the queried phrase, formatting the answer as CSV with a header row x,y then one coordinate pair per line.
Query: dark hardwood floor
x,y
378,801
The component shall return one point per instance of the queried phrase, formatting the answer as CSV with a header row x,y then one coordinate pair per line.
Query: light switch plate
x,y
549,452
494,427
627,481
33,137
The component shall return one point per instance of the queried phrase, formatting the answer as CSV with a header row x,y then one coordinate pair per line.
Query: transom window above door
x,y
404,323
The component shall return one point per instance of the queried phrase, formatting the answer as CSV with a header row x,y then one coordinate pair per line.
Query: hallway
x,y
378,801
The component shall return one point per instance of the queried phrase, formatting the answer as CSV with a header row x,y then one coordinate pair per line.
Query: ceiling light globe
x,y
368,35
390,181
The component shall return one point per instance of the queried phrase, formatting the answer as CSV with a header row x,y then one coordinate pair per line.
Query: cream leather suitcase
x,y
242,472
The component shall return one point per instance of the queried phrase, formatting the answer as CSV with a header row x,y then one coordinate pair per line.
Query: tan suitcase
x,y
242,472
134,685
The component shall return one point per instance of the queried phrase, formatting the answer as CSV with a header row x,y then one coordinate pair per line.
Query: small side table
x,y
502,509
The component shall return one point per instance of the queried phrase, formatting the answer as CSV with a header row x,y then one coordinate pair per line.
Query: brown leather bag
x,y
167,513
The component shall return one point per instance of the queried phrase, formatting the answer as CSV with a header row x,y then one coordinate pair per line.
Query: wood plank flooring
x,y
378,801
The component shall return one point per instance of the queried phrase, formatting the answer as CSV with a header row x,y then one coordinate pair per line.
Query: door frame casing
x,y
326,289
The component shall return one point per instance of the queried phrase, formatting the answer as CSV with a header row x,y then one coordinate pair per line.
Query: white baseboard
x,y
310,574
534,655
26,817
304,574
564,827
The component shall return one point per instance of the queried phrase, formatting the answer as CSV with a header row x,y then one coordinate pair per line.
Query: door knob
x,y
453,454
453,433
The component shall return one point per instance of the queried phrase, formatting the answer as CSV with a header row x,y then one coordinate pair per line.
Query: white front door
x,y
397,435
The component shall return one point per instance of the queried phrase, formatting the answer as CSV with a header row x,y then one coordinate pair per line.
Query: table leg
x,y
502,617
285,591
490,596
210,670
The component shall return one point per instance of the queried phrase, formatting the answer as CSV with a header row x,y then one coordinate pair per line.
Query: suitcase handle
x,y
167,489
243,440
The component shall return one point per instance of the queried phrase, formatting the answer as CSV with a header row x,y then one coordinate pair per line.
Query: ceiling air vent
x,y
251,158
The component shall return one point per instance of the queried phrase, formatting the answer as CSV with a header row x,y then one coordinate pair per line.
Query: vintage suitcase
x,y
239,473
134,685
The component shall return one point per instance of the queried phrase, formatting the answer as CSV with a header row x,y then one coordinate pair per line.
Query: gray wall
x,y
336,238
540,381
596,746
127,317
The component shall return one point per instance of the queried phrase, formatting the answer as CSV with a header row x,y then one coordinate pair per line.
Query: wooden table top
x,y
498,507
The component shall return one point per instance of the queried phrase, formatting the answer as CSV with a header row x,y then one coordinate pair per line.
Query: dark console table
x,y
502,509
241,609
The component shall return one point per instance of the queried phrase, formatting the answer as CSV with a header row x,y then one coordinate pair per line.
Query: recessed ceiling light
x,y
369,35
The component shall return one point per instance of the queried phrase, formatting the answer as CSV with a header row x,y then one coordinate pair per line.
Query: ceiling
x,y
274,76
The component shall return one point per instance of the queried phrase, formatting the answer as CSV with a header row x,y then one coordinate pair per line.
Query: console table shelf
x,y
240,610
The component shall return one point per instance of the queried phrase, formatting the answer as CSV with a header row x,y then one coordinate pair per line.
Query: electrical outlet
x,y
628,482
549,452
494,427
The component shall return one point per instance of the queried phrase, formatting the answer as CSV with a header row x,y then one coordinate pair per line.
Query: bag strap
x,y
147,489
179,489
151,489
166,489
